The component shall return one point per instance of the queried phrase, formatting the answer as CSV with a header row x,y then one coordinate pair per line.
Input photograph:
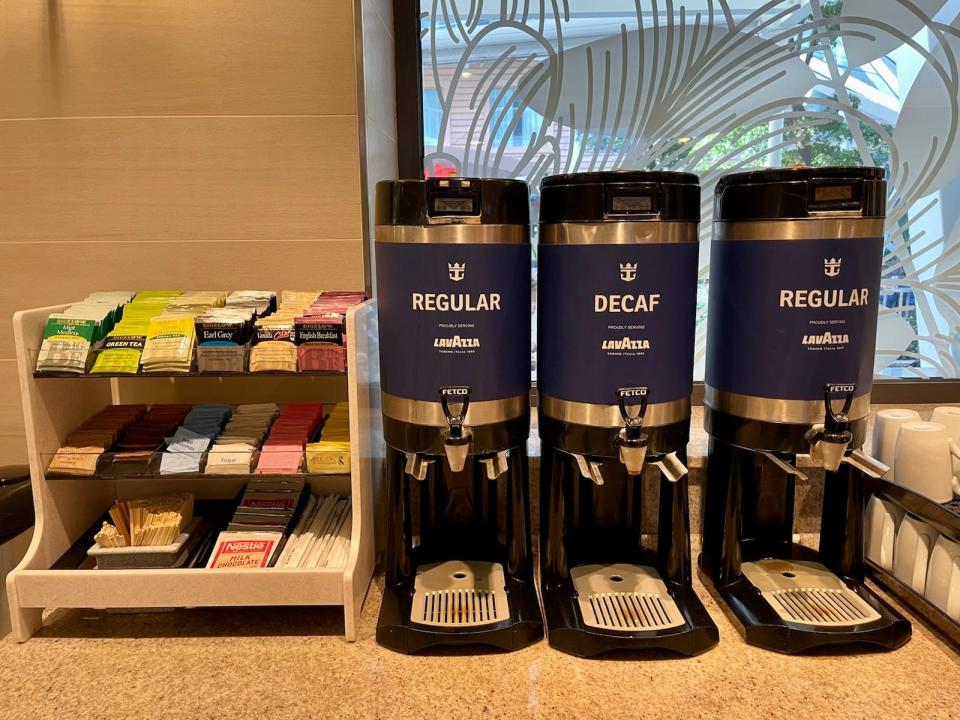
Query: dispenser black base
x,y
602,590
567,631
458,570
396,630
783,596
759,624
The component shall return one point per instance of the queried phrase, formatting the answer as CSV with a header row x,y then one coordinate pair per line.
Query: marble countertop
x,y
293,663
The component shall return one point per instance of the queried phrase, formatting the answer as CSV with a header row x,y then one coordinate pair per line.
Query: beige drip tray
x,y
459,593
626,598
807,593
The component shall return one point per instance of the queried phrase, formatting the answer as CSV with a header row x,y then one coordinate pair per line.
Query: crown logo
x,y
831,266
628,271
457,271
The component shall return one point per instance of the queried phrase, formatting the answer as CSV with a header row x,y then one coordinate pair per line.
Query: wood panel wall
x,y
211,144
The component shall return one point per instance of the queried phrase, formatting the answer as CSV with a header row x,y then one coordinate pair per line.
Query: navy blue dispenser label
x,y
454,314
614,316
787,317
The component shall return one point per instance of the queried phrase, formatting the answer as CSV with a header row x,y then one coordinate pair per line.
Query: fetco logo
x,y
628,271
831,266
827,339
841,388
626,344
457,271
456,342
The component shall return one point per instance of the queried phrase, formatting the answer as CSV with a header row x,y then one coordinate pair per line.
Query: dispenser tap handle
x,y
451,395
866,464
783,464
632,397
671,467
590,469
837,421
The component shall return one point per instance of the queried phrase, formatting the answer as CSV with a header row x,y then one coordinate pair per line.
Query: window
x,y
432,117
507,116
531,89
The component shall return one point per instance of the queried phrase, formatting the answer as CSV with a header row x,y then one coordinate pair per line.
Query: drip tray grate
x,y
459,594
625,598
807,593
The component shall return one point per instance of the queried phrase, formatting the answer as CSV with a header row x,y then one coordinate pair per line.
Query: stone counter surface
x,y
278,663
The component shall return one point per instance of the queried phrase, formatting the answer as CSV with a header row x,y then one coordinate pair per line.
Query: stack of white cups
x,y
924,456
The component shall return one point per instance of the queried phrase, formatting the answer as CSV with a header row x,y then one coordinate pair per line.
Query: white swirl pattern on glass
x,y
528,88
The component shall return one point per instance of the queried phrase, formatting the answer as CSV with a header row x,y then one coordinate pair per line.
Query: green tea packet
x,y
123,347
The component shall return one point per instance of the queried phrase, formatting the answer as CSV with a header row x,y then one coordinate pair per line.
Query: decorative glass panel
x,y
528,88
432,117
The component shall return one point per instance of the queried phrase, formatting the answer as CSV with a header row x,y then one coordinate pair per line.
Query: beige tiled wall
x,y
209,144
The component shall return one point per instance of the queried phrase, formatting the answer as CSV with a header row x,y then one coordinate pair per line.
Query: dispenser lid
x,y
620,196
452,201
797,193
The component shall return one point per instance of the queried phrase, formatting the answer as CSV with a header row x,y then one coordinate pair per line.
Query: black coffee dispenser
x,y
453,292
617,269
794,282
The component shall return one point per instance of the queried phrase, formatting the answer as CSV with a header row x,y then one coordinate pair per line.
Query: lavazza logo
x,y
628,271
827,339
456,342
625,343
457,270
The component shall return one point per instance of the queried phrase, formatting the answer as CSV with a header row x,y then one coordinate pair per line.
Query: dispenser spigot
x,y
457,437
829,441
631,440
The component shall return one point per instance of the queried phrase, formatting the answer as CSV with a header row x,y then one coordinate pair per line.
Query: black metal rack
x,y
945,518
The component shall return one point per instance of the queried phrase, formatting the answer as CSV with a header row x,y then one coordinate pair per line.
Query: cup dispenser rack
x,y
945,519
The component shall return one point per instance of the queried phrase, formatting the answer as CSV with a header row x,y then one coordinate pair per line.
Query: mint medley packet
x,y
66,344
69,335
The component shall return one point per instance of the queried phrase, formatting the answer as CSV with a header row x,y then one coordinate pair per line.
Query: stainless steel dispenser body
x,y
453,291
794,299
453,268
617,307
617,290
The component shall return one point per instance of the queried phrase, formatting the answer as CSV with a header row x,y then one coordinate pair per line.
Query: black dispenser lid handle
x,y
837,421
636,398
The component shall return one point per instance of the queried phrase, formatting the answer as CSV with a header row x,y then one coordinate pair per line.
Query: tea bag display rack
x,y
66,508
945,519
45,374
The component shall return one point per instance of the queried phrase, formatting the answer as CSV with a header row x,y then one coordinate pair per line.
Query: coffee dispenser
x,y
617,289
453,292
794,281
